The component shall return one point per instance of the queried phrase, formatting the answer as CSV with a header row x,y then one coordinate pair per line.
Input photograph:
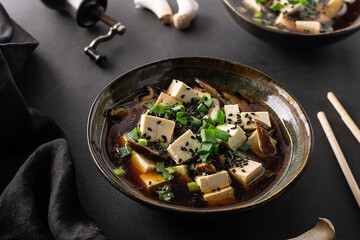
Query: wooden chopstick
x,y
339,156
344,115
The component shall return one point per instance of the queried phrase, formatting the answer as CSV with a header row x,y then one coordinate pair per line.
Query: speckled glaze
x,y
294,123
288,39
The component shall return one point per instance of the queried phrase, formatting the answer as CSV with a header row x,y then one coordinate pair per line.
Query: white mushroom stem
x,y
160,8
187,12
323,230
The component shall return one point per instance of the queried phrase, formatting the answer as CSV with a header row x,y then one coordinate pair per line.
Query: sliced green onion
x,y
242,9
143,141
181,119
206,101
293,2
245,147
124,151
134,134
192,167
222,135
304,2
167,176
276,7
202,107
216,149
193,186
170,170
119,171
165,193
179,108
160,167
163,145
240,154
149,105
195,120
268,174
208,135
258,20
205,147
258,14
204,157
219,117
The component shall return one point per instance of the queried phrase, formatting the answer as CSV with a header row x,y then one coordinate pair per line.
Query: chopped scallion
x,y
268,174
208,135
258,14
149,105
193,186
195,120
119,171
179,108
160,167
134,134
219,117
165,193
163,145
276,7
170,170
143,141
124,151
245,147
205,147
202,107
204,157
222,135
167,176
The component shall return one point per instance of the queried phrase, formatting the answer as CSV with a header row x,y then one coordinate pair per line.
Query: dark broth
x,y
116,129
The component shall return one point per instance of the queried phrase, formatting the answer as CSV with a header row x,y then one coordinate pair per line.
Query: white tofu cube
x,y
252,4
248,117
213,182
289,8
308,26
232,114
281,21
152,180
182,92
144,164
222,197
155,128
182,169
248,173
253,140
201,92
237,135
165,99
184,148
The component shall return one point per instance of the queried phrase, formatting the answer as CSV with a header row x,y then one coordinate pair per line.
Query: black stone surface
x,y
62,82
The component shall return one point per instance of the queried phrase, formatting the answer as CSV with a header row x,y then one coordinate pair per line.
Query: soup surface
x,y
304,16
194,145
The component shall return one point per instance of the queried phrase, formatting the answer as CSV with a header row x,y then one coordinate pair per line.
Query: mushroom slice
x,y
328,11
147,152
323,230
118,112
243,105
209,89
150,96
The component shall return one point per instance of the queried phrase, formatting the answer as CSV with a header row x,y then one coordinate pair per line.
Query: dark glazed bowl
x,y
287,39
294,124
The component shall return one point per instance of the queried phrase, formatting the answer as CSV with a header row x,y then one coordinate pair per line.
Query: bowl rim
x,y
354,27
179,208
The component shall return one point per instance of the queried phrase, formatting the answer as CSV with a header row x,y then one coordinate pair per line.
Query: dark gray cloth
x,y
40,201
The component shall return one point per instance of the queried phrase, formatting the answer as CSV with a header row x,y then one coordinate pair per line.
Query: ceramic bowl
x,y
294,124
287,39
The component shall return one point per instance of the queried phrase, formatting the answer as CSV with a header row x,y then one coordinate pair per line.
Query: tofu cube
x,y
248,173
152,180
165,99
289,8
201,92
232,114
237,135
184,148
213,182
222,197
308,26
182,92
155,128
282,21
248,117
144,164
252,4
182,169
253,140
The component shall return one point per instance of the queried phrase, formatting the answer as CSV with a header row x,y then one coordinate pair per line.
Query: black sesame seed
x,y
149,182
190,150
252,113
233,170
248,122
228,130
187,143
165,138
148,138
250,118
218,189
246,114
182,96
134,110
158,122
243,170
229,119
176,81
180,160
192,137
182,148
230,114
149,129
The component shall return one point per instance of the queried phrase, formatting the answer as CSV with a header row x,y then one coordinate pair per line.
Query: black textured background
x,y
62,82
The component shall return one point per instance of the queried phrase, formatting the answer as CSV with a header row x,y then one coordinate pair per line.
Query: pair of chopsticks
x,y
335,145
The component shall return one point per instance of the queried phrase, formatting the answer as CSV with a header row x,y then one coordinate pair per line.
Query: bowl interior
x,y
282,36
294,124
